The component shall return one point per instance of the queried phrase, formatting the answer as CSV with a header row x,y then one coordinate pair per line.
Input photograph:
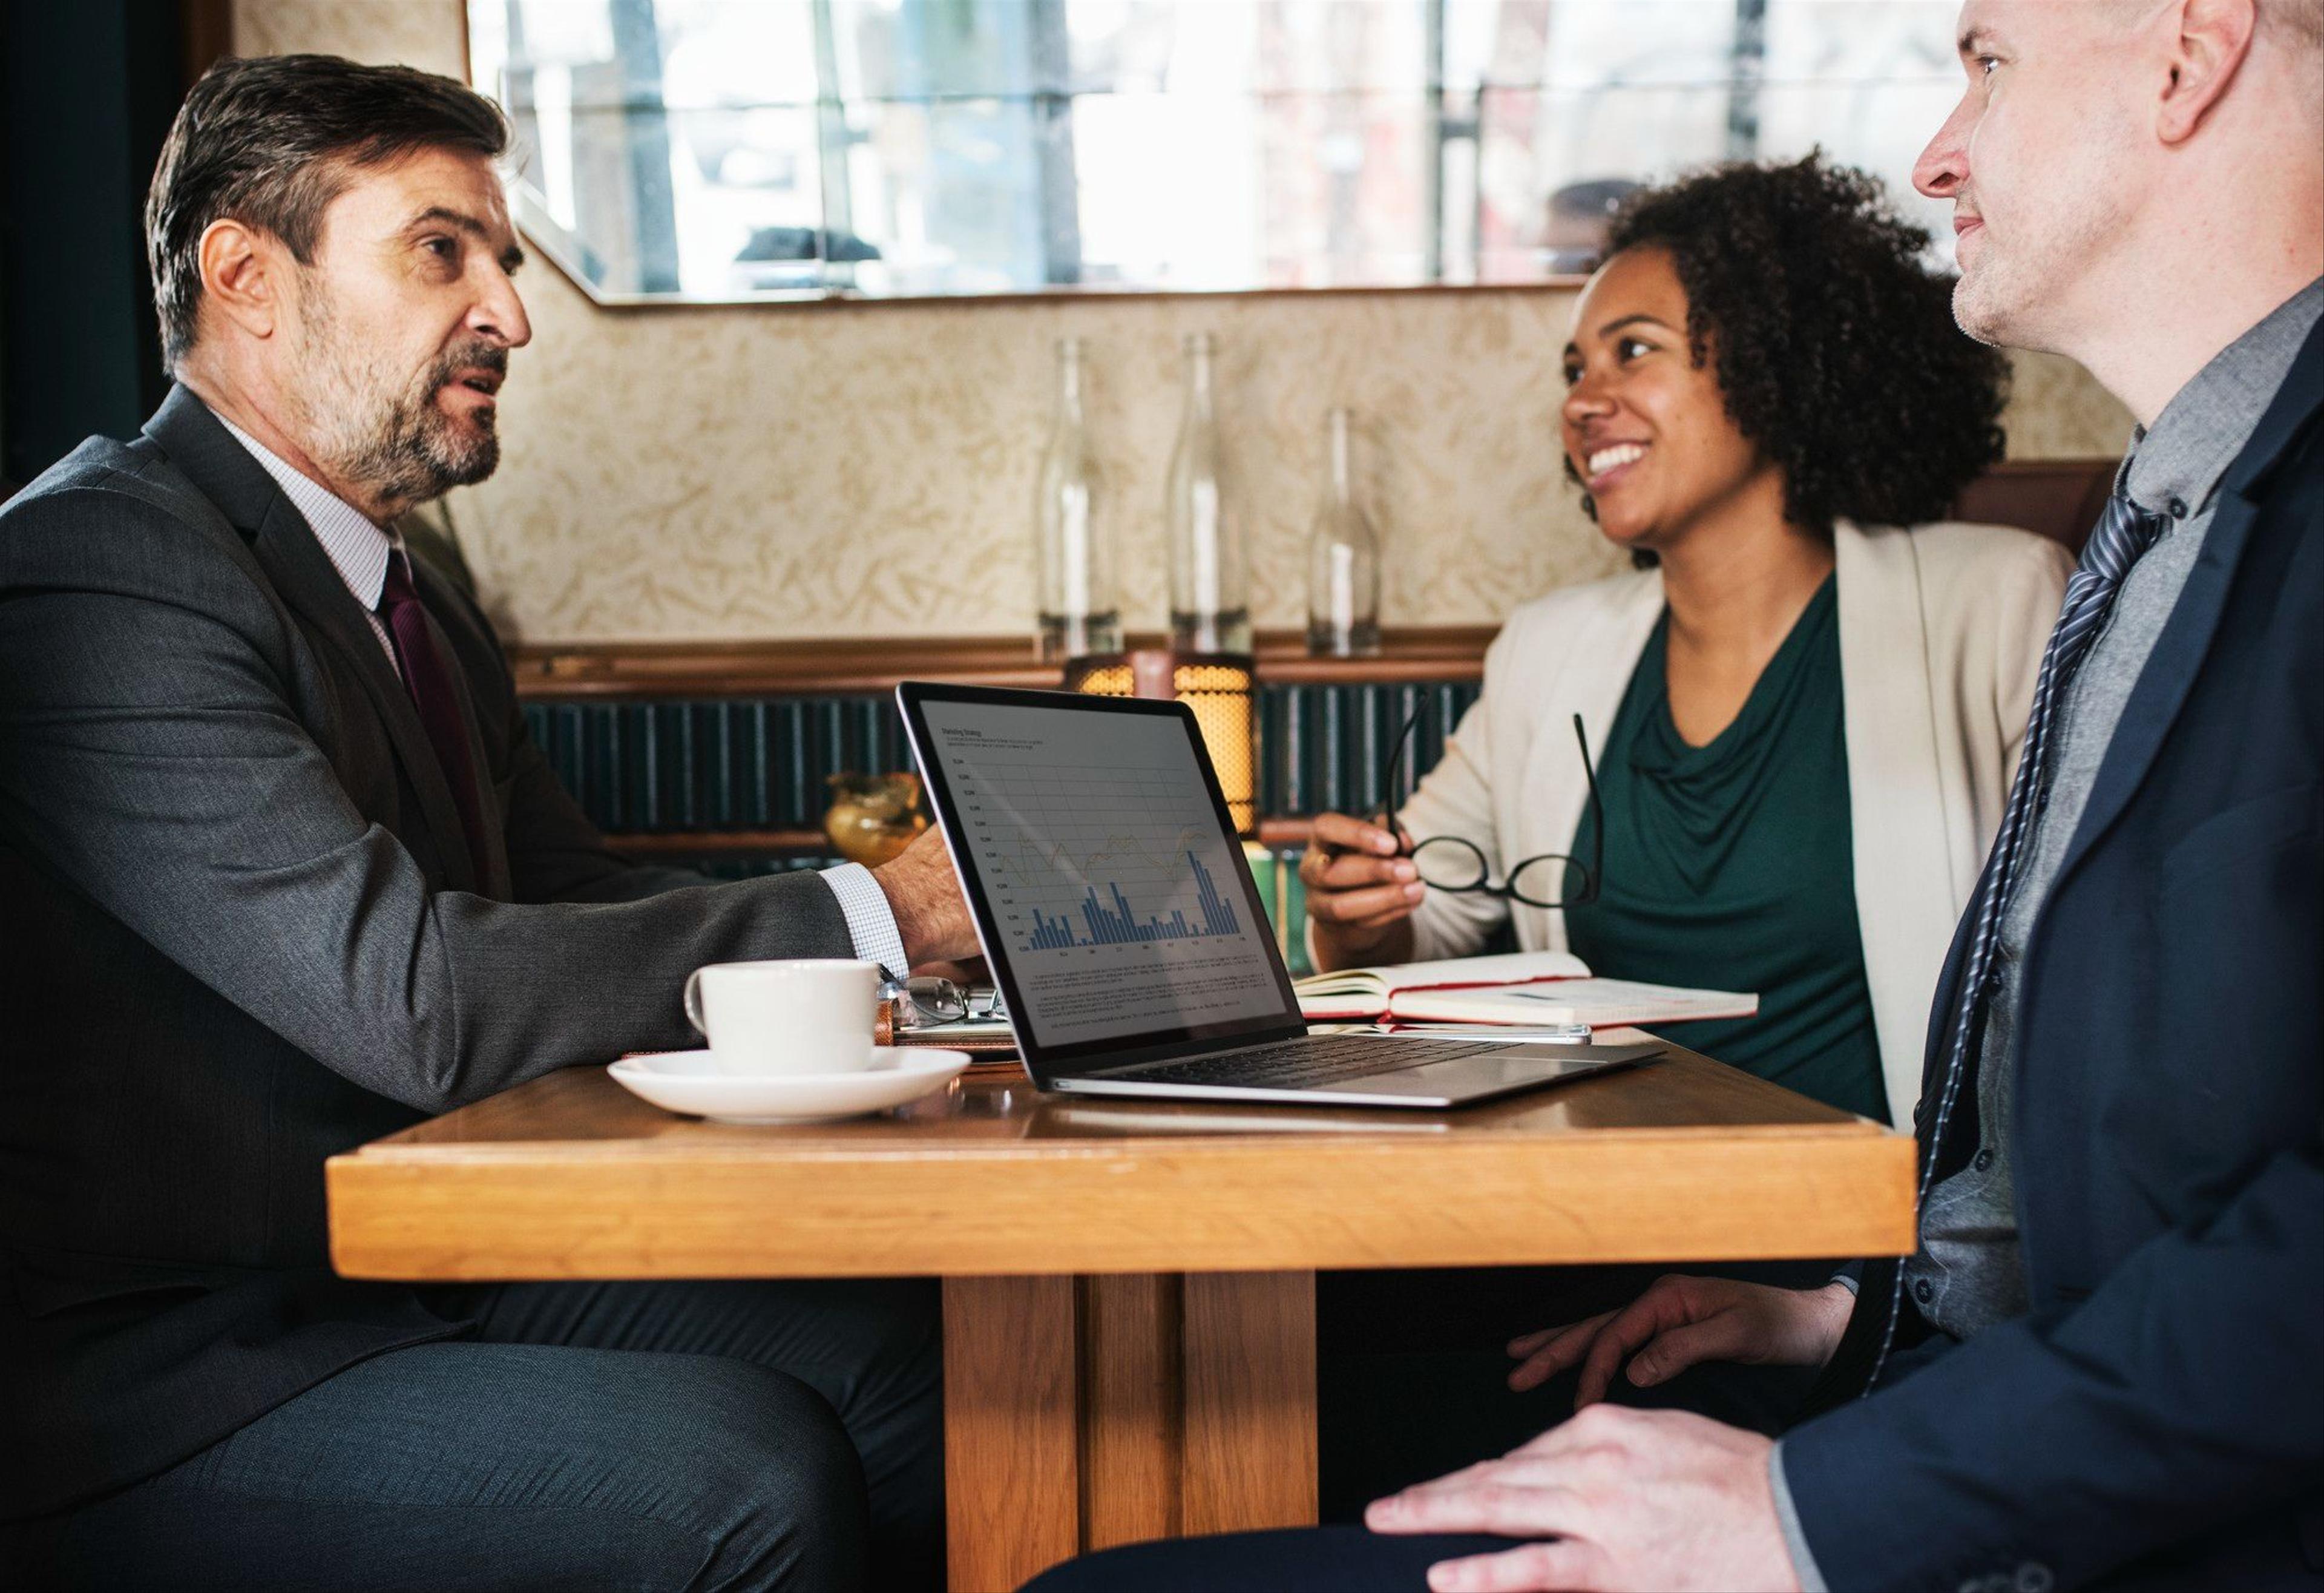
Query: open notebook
x,y
1526,988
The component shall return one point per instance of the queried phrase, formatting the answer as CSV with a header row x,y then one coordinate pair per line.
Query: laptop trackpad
x,y
1495,1071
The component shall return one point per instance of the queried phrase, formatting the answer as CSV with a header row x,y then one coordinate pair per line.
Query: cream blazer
x,y
1941,629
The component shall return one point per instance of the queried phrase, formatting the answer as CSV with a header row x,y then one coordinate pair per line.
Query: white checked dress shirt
x,y
359,550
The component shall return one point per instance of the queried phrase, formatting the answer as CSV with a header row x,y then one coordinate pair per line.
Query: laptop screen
x,y
1110,892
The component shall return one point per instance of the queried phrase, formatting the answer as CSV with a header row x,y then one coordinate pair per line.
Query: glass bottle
x,y
1080,612
1343,560
1210,572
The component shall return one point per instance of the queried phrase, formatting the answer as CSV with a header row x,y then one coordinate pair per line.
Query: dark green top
x,y
1728,866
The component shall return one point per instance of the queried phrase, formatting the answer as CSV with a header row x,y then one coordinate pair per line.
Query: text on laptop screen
x,y
1109,875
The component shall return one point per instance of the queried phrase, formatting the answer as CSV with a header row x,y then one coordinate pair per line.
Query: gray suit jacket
x,y
244,934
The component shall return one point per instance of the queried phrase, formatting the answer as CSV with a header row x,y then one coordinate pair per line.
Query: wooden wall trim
x,y
206,34
571,672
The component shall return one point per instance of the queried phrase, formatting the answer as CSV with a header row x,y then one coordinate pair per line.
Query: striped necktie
x,y
2124,532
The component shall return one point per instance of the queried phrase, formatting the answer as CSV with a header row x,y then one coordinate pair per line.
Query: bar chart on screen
x,y
1117,888
1080,855
1119,923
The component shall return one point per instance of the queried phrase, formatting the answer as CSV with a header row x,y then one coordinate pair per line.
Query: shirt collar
x,y
2175,464
358,549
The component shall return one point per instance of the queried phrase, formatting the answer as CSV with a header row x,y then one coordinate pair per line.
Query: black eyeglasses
x,y
1449,862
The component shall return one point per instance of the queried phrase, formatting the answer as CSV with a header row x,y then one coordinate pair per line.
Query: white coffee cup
x,y
811,1015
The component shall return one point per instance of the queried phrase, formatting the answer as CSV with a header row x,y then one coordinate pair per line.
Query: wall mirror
x,y
719,150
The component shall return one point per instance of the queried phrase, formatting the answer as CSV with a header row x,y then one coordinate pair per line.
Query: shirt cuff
x,y
871,922
1803,1565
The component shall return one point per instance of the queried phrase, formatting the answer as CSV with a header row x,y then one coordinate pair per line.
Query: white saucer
x,y
689,1081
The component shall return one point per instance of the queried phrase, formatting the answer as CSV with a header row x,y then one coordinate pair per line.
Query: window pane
x,y
730,148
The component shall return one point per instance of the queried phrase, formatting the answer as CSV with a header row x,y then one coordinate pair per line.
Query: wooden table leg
x,y
1250,1401
1082,1413
1133,1394
1012,1488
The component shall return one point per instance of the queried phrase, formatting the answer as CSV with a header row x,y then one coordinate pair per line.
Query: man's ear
x,y
2212,37
244,272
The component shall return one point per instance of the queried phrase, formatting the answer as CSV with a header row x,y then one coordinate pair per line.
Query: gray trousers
x,y
648,1436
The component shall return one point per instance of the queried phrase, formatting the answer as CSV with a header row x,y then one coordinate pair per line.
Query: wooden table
x,y
1129,1290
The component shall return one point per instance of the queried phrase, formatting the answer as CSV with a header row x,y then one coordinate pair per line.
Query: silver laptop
x,y
1121,922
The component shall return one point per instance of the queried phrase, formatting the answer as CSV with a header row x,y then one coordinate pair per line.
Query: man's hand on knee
x,y
1614,1498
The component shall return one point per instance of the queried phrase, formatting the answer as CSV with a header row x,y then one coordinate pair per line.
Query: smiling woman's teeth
x,y
1606,459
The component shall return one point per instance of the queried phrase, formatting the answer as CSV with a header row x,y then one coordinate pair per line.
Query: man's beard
x,y
2027,282
2014,296
1987,299
397,442
1984,308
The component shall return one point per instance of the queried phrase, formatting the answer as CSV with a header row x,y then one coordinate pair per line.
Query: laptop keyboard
x,y
1319,1059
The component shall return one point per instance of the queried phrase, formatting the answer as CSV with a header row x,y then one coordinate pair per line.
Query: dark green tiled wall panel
x,y
673,766
1325,748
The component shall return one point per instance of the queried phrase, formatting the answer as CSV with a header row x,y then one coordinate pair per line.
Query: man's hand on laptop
x,y
924,893
1681,1321
1360,895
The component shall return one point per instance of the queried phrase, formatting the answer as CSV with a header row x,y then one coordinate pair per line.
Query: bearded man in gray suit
x,y
282,872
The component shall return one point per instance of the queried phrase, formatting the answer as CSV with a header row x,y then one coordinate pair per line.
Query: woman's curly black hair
x,y
1835,346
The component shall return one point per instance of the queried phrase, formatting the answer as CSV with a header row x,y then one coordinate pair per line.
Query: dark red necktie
x,y
428,678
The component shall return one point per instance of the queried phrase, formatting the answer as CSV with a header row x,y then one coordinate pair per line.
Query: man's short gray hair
x,y
2299,23
272,141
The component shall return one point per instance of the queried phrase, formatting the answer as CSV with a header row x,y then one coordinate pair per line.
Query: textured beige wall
x,y
867,469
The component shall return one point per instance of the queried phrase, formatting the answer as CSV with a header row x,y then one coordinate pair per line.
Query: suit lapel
x,y
437,597
1945,1008
303,575
2171,668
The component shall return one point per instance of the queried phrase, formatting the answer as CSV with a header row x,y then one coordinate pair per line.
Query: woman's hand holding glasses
x,y
1360,893
1363,880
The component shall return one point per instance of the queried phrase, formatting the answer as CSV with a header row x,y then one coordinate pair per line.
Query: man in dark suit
x,y
2106,1363
280,873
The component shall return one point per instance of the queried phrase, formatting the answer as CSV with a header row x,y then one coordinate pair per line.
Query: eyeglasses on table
x,y
933,999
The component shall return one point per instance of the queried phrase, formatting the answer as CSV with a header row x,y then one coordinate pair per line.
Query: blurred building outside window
x,y
732,148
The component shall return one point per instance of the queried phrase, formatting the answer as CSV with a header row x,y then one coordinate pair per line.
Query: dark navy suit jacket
x,y
2157,1418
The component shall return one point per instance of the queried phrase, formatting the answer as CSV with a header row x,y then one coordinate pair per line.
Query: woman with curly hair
x,y
1805,706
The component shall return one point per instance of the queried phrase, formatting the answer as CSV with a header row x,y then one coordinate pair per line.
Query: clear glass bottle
x,y
1343,560
1210,568
1080,611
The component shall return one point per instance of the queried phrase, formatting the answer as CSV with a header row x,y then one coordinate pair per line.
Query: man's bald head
x,y
2295,24
2125,172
